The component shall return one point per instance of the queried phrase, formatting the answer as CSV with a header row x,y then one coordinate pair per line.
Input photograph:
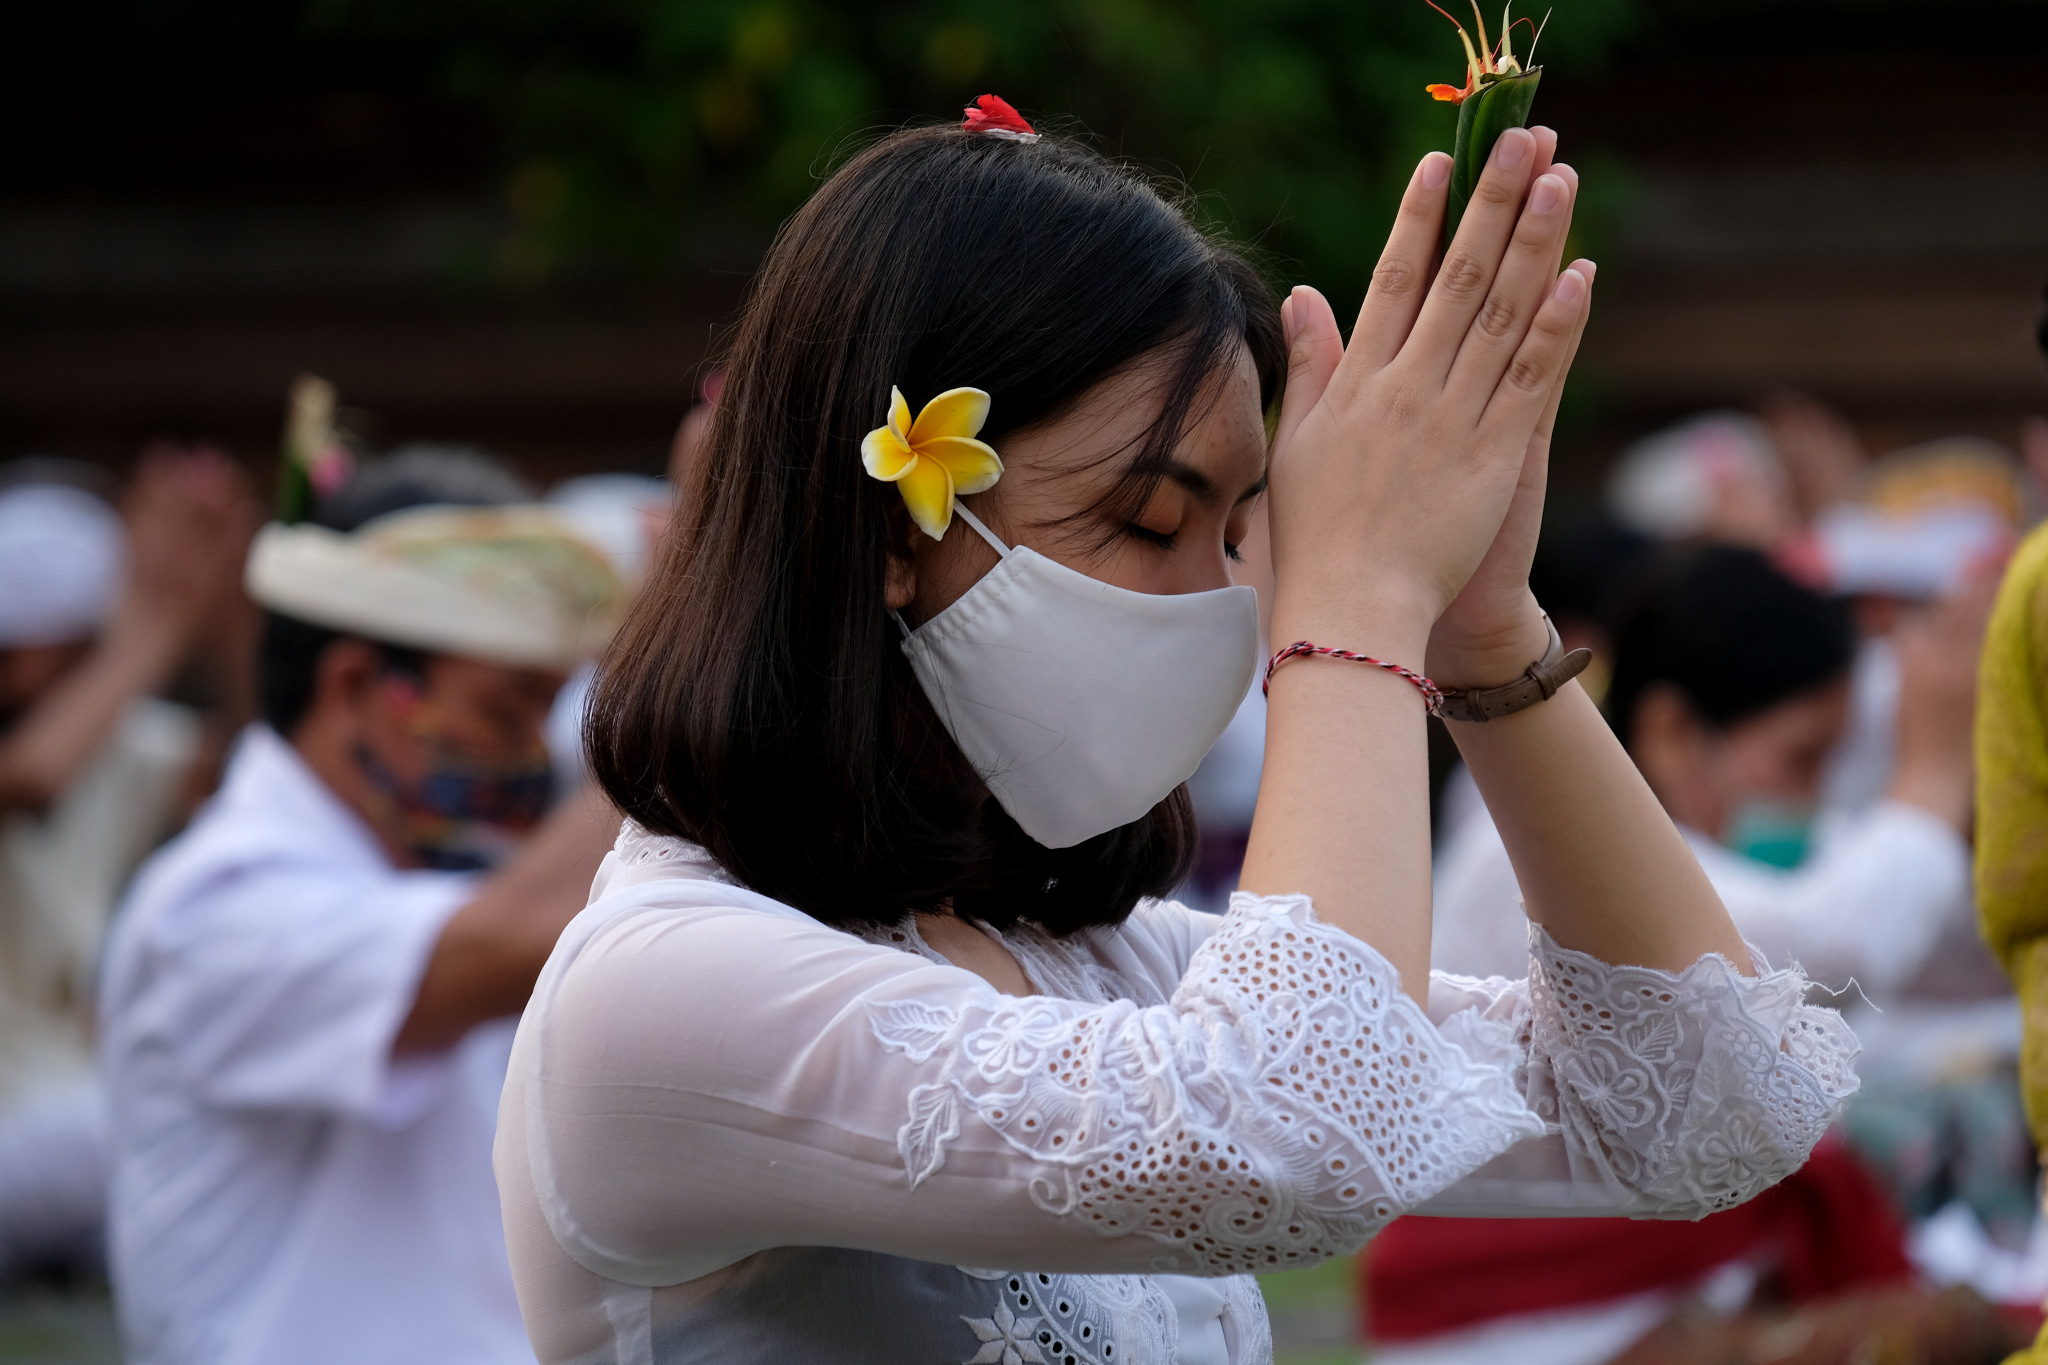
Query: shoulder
x,y
230,895
662,934
705,987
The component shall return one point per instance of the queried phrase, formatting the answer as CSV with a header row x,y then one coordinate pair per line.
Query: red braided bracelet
x,y
1432,695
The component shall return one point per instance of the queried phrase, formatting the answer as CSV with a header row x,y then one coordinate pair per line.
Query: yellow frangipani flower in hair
x,y
934,458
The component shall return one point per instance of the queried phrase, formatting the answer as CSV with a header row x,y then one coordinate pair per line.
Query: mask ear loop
x,y
1002,552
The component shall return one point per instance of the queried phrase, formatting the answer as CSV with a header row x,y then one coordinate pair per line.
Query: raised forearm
x,y
59,735
491,950
1601,866
1396,461
1343,811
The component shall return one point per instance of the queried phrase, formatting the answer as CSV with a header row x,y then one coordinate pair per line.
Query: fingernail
x,y
1569,286
1436,169
1512,151
1547,195
1287,328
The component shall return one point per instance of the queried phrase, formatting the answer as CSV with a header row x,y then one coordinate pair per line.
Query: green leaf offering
x,y
313,460
1497,96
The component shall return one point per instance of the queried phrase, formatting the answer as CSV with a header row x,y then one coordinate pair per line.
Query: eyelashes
x,y
1166,540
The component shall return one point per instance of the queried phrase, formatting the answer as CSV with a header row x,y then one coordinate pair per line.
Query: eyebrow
x,y
1203,487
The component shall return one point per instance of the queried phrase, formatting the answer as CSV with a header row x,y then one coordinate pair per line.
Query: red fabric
x,y
1829,1227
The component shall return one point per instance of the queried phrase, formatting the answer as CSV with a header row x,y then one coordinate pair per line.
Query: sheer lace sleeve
x,y
1662,1095
713,1075
1287,1103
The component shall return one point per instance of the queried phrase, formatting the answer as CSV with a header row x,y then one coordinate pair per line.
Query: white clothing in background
x,y
1861,766
1458,804
733,1134
53,1178
563,731
60,874
284,1190
1870,904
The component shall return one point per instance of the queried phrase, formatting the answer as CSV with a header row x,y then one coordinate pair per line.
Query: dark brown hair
x,y
756,700
1731,631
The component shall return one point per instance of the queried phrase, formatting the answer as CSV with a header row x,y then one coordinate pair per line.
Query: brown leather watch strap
x,y
1539,682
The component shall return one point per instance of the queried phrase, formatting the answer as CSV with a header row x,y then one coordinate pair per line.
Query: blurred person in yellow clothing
x,y
2012,812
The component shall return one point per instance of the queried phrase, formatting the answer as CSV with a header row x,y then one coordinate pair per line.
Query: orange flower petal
x,y
956,412
1449,94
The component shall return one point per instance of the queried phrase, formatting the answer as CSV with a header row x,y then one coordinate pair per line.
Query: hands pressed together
x,y
1409,467
1408,471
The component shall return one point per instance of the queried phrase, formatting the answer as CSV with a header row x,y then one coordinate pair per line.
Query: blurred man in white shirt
x,y
310,994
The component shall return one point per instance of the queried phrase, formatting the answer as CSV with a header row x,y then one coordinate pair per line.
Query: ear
x,y
899,586
344,680
1666,739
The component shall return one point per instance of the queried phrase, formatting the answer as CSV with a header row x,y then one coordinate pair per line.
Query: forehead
x,y
1816,715
456,680
1093,444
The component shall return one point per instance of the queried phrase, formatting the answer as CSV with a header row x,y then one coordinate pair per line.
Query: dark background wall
x,y
201,201
1864,217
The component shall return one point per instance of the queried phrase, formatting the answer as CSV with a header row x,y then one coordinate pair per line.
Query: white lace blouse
x,y
732,1134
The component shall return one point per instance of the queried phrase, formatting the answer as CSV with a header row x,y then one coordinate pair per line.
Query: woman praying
x,y
878,1041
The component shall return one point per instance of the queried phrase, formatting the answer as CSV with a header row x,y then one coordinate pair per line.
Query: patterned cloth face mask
x,y
465,812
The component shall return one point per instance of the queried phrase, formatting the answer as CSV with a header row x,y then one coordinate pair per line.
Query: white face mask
x,y
1083,705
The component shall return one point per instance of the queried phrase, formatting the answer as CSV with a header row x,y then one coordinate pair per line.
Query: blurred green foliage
x,y
652,136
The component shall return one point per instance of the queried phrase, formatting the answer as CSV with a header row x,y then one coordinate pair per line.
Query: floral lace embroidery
x,y
1290,1104
1005,1339
1076,1320
1699,1089
1245,1315
1080,1319
1293,1101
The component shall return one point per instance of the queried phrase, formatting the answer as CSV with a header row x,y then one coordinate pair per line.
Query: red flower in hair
x,y
992,114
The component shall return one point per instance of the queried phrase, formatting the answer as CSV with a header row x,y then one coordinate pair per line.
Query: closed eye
x,y
1164,540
